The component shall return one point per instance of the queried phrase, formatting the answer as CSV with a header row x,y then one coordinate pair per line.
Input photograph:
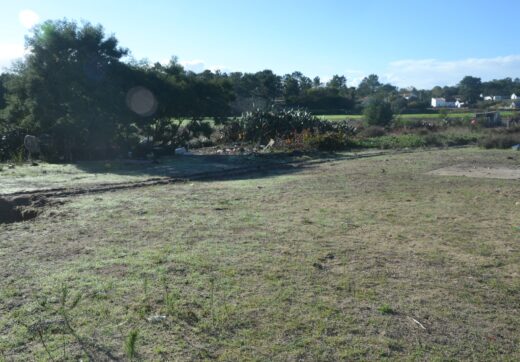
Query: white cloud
x,y
427,73
195,65
10,52
28,18
199,66
221,68
354,77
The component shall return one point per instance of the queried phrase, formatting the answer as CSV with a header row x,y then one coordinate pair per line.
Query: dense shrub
x,y
341,126
456,137
451,139
500,140
232,130
330,141
433,140
10,144
378,112
199,128
373,131
460,139
393,141
260,126
200,142
413,123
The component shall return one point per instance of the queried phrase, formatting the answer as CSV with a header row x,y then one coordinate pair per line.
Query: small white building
x,y
459,104
409,96
436,102
488,98
514,96
442,103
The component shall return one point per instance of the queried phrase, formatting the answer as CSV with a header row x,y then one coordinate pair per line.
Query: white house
x,y
441,103
459,104
409,96
488,98
436,102
514,96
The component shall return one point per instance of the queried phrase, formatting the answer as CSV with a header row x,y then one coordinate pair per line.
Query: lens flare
x,y
141,101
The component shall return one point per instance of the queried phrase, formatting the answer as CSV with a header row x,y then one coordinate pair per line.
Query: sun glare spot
x,y
28,18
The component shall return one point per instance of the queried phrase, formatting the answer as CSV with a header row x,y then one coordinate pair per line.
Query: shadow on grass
x,y
208,167
110,175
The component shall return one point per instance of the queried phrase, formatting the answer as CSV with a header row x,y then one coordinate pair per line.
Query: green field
x,y
336,117
371,258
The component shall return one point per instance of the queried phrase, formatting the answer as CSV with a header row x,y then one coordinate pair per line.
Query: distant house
x,y
514,96
442,103
459,104
515,104
494,98
409,96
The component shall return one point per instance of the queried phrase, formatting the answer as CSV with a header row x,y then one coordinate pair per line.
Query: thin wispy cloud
x,y
427,73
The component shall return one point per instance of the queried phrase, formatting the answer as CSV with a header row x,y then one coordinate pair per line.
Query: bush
x,y
394,141
199,142
198,128
10,144
327,142
461,139
378,112
232,131
373,131
500,141
434,140
260,126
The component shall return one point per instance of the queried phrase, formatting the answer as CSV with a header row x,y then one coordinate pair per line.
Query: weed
x,y
131,344
386,309
19,156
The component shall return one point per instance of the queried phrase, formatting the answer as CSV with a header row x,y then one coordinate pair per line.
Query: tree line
x,y
82,90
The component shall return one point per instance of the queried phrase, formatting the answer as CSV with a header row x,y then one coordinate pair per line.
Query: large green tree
x,y
470,88
71,86
338,83
369,85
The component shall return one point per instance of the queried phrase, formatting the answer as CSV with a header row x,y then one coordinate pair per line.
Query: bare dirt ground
x,y
471,170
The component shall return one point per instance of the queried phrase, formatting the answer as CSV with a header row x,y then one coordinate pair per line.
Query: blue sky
x,y
421,43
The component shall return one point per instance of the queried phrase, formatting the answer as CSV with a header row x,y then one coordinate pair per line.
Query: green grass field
x,y
337,117
360,259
